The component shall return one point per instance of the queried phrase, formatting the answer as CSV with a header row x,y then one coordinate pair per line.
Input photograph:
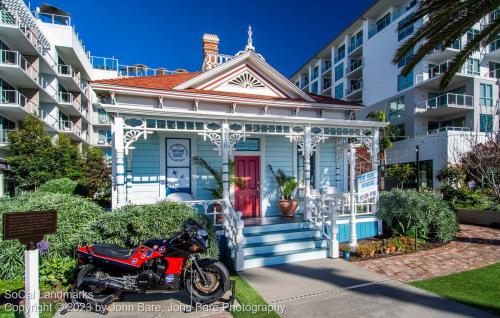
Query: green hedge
x,y
80,219
62,185
407,210
75,215
131,225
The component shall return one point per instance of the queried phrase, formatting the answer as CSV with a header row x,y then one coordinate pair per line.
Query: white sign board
x,y
367,185
178,165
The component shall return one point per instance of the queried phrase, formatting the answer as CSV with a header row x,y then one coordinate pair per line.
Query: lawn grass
x,y
478,287
246,295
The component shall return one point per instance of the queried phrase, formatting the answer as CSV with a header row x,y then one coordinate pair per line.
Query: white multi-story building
x,y
45,70
357,66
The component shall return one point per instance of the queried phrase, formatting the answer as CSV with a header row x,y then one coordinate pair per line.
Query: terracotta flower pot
x,y
393,249
387,250
218,209
287,207
372,253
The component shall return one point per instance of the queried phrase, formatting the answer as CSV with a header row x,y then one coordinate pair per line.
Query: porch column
x,y
353,240
225,160
375,166
120,164
307,168
129,174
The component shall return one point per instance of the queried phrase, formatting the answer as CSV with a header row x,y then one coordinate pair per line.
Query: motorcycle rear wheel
x,y
94,295
217,284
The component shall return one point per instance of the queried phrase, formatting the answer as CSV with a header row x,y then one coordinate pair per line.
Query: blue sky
x,y
168,33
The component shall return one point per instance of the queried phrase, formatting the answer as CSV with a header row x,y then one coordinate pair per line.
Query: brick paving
x,y
474,247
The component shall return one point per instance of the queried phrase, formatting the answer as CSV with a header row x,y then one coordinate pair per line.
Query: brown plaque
x,y
29,226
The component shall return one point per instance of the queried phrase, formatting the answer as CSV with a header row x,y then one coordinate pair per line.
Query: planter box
x,y
478,217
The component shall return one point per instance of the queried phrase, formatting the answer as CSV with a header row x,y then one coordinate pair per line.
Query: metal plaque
x,y
29,226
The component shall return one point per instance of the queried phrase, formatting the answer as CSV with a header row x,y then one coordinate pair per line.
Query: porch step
x,y
282,246
276,258
275,227
285,235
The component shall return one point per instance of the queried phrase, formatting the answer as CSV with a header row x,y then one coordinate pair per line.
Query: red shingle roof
x,y
168,82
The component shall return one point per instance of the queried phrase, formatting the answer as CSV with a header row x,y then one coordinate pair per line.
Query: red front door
x,y
247,198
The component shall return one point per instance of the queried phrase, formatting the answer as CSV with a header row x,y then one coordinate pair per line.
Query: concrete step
x,y
282,246
277,236
275,227
276,258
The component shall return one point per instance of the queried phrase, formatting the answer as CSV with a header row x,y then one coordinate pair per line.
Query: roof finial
x,y
249,42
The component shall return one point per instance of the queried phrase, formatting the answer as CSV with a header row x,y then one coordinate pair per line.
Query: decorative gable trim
x,y
246,80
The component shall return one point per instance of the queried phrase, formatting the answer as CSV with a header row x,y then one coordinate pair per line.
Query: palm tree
x,y
448,20
388,134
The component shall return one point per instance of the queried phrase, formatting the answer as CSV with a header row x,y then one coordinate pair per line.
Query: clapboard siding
x,y
278,152
145,170
363,230
326,165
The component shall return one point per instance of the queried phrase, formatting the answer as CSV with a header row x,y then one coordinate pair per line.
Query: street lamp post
x,y
417,152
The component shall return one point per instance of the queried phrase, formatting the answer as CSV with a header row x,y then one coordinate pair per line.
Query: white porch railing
x,y
323,212
222,213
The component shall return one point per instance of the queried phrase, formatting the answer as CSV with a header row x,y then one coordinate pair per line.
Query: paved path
x,y
170,305
474,247
335,288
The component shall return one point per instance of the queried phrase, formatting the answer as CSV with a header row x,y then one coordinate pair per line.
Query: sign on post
x,y
29,228
367,185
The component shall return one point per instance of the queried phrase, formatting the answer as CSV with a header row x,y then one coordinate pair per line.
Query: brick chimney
x,y
210,47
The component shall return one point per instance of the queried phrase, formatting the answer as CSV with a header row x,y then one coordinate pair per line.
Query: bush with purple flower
x,y
43,246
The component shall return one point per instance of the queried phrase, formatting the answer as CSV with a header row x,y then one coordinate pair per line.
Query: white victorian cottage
x,y
239,109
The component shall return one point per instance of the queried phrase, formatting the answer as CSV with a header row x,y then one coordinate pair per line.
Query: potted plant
x,y
218,191
346,252
366,250
376,245
286,187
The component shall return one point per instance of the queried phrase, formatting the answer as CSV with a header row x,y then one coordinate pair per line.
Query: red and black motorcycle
x,y
158,265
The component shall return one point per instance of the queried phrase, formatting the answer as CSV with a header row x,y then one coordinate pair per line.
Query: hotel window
x,y
340,53
399,131
485,95
471,66
104,136
315,73
494,69
339,71
405,30
471,34
406,59
297,83
405,81
339,91
314,87
382,23
397,108
485,123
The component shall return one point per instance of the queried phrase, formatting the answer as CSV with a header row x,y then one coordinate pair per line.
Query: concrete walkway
x,y
335,288
474,247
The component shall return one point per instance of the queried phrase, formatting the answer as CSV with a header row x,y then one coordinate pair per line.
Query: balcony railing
x,y
14,97
132,71
354,88
354,66
9,57
66,98
69,126
448,99
354,45
326,67
437,70
449,128
494,73
339,57
304,84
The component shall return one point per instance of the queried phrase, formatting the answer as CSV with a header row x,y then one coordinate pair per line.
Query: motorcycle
x,y
158,265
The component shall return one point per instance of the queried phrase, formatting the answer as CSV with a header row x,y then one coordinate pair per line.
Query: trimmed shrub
x,y
407,210
62,185
75,215
133,225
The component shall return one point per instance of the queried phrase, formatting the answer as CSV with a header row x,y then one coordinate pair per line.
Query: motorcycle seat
x,y
113,251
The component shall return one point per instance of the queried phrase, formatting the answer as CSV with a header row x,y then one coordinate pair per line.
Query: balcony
x,y
68,77
141,70
429,79
104,140
73,130
339,57
15,105
327,84
70,105
326,67
493,50
446,129
354,92
355,47
17,69
354,69
440,54
445,105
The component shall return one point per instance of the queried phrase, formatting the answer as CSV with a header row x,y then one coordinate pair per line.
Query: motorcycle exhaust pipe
x,y
106,283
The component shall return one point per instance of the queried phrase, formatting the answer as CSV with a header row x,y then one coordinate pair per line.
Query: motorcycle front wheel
x,y
216,284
